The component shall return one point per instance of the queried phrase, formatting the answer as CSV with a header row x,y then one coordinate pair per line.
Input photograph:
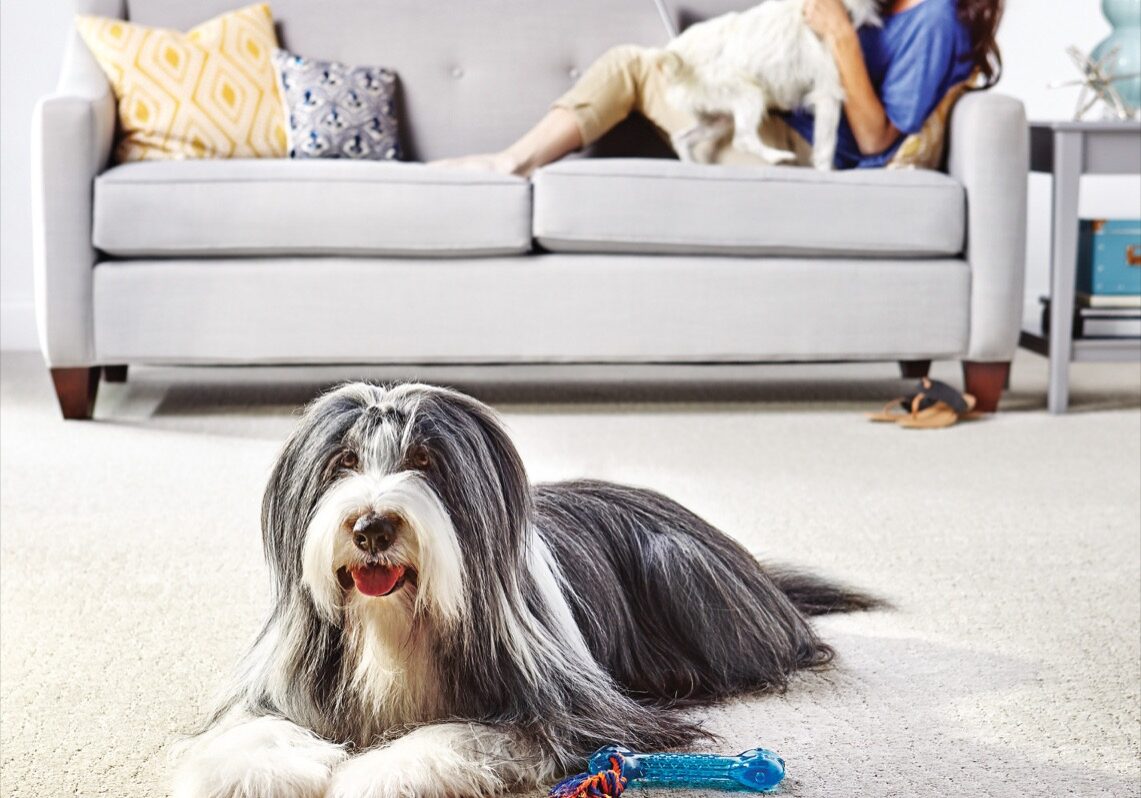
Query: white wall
x,y
32,32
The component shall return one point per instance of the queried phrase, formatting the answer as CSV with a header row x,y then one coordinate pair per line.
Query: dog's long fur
x,y
541,623
732,70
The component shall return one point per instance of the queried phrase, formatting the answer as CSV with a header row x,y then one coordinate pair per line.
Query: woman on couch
x,y
893,78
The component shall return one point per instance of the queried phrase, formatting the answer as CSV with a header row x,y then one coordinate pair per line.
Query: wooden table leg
x,y
1063,264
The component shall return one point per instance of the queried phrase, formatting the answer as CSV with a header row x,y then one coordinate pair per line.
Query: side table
x,y
1068,150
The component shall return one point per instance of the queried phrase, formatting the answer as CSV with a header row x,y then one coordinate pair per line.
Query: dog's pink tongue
x,y
377,580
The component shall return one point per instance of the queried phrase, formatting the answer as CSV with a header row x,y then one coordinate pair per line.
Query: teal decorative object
x,y
1123,68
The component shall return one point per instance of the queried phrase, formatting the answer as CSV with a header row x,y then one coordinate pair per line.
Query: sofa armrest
x,y
72,133
989,154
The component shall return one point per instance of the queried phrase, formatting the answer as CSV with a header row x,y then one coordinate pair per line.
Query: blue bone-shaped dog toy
x,y
613,769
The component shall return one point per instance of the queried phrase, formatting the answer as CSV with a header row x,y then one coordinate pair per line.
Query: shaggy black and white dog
x,y
441,627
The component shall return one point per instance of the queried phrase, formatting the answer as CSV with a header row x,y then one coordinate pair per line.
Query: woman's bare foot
x,y
554,136
502,163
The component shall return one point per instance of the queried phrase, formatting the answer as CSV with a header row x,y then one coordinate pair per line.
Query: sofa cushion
x,y
654,206
544,309
308,207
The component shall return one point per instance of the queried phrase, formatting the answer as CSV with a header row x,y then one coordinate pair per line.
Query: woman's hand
x,y
828,19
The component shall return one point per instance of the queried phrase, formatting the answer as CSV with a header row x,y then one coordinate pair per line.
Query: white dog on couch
x,y
730,71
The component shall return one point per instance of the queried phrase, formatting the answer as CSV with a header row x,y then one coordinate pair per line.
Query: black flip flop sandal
x,y
934,405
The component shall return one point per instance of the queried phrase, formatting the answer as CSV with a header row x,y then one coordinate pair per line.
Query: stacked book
x,y
1099,321
1109,281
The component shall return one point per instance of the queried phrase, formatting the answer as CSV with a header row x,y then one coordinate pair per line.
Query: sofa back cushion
x,y
474,74
687,12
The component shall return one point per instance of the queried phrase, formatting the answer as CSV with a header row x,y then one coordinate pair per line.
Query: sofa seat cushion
x,y
281,207
662,206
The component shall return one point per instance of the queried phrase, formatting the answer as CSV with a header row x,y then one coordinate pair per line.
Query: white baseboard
x,y
18,325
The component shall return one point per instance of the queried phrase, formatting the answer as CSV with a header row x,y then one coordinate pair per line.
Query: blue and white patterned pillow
x,y
337,111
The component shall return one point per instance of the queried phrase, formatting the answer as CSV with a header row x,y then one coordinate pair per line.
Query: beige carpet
x,y
132,577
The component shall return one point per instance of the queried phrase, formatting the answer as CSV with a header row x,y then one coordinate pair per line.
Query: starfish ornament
x,y
1097,84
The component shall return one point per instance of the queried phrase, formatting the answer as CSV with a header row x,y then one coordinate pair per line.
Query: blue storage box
x,y
1109,257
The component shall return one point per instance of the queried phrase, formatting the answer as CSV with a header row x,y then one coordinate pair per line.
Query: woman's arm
x,y
870,125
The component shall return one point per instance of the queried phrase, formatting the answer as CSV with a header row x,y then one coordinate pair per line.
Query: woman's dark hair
x,y
981,18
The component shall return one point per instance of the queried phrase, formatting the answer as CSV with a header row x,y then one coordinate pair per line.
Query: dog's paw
x,y
753,145
775,156
407,771
260,758
685,153
699,144
684,144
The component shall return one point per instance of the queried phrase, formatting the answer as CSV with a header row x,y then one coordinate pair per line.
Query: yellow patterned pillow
x,y
924,150
207,93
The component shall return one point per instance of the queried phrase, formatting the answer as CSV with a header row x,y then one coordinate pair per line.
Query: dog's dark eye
x,y
347,460
418,457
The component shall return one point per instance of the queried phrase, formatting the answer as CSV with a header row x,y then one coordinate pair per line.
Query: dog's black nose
x,y
373,533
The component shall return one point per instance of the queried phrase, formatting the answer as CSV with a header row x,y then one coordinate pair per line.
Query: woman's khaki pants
x,y
626,79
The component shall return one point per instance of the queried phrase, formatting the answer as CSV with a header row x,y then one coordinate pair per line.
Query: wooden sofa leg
x,y
985,381
75,388
914,369
114,373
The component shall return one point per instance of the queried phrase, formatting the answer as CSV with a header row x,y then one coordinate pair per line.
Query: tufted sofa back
x,y
687,12
474,74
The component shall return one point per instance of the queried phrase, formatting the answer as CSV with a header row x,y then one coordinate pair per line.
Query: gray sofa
x,y
595,260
